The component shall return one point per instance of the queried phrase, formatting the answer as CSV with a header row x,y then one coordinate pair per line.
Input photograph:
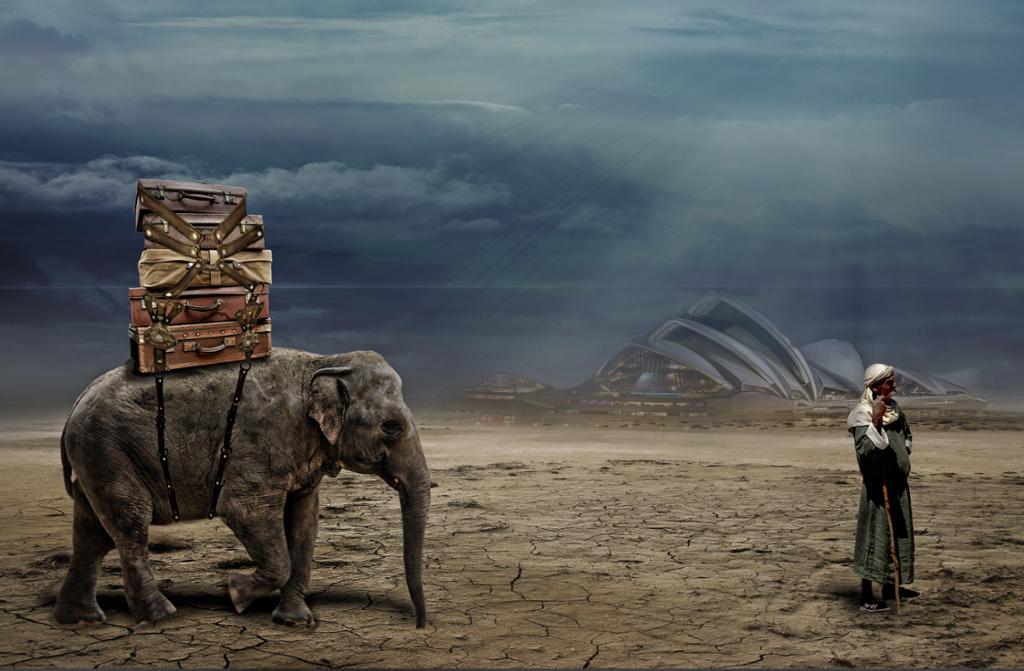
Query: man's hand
x,y
878,409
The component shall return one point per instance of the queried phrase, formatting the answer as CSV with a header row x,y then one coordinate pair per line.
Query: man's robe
x,y
872,558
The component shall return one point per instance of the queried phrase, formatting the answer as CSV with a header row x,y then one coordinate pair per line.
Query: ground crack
x,y
519,574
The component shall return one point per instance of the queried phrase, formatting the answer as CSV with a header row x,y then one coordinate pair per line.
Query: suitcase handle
x,y
194,346
213,307
198,196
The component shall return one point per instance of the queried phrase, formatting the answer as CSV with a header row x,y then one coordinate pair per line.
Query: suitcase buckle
x,y
248,342
160,337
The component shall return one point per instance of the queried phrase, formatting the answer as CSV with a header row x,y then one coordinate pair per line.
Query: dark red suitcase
x,y
202,305
198,345
194,197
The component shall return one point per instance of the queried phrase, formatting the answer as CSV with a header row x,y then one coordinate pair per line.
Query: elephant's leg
x,y
300,525
261,531
125,512
76,602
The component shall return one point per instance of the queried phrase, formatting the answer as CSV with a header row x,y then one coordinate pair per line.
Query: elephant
x,y
301,415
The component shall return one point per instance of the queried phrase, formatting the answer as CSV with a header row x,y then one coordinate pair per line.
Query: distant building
x,y
726,353
721,355
505,392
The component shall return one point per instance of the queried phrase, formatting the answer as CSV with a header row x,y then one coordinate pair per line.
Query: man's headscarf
x,y
861,413
875,373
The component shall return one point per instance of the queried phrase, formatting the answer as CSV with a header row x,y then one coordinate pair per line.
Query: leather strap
x,y
161,238
214,268
194,268
225,450
169,215
247,343
161,310
236,272
246,239
220,234
161,449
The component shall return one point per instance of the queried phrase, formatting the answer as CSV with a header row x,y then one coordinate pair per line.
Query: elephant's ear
x,y
327,400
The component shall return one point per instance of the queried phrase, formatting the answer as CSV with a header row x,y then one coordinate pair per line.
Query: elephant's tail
x,y
65,463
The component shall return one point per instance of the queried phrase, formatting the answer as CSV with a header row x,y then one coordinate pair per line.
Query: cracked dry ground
x,y
577,549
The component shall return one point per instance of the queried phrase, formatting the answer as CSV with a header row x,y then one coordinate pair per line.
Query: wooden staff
x,y
892,537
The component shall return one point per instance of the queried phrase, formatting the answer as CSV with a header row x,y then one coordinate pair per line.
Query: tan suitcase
x,y
198,345
165,268
202,306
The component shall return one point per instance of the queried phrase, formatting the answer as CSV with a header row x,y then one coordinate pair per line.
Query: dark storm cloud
x,y
104,183
379,192
522,189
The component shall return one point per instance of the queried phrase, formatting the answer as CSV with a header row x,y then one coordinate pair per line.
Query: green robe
x,y
872,557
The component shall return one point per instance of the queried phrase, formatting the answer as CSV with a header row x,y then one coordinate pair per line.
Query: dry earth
x,y
552,546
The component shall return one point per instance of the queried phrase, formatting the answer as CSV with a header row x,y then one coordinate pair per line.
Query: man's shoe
x,y
874,606
889,592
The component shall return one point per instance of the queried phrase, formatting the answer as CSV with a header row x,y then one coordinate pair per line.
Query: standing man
x,y
881,437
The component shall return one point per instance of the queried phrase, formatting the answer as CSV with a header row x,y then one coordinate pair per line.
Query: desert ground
x,y
710,544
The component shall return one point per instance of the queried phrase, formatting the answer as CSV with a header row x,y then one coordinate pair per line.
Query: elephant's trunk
x,y
414,495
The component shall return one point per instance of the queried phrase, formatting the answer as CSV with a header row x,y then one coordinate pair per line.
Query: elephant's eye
x,y
392,427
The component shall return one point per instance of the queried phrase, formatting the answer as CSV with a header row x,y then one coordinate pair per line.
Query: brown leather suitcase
x,y
204,223
194,197
202,306
198,345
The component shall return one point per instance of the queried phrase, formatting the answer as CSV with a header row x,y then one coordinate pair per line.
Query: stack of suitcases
x,y
204,275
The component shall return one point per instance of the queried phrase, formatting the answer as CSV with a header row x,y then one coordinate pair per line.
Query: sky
x,y
520,186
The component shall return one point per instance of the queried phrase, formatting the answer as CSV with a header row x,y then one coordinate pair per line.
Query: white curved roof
x,y
836,356
746,377
687,356
950,387
716,307
923,379
673,352
834,381
755,360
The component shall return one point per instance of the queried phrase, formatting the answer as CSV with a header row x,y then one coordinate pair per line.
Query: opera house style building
x,y
721,354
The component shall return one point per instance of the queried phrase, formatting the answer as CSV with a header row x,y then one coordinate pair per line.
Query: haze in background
x,y
472,187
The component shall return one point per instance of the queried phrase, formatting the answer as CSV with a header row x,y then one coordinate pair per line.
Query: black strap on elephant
x,y
164,308
161,448
225,450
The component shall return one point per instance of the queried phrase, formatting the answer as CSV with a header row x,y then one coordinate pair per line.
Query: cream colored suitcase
x,y
160,268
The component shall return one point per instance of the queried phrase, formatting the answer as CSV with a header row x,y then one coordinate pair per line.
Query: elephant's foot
x,y
244,589
151,608
295,612
73,613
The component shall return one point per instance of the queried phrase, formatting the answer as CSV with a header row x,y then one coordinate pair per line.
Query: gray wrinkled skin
x,y
301,415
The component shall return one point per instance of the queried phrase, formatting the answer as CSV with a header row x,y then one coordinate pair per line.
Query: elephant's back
x,y
122,395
